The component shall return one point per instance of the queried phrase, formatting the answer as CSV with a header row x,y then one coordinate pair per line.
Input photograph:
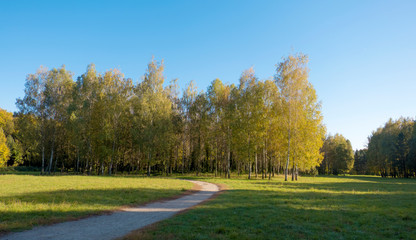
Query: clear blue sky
x,y
362,53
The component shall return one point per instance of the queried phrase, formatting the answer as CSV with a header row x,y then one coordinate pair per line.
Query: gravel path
x,y
119,223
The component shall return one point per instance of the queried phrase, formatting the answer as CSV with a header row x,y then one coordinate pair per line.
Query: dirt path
x,y
119,223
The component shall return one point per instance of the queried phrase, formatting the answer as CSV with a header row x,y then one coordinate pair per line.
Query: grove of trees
x,y
391,152
338,155
103,123
392,149
360,162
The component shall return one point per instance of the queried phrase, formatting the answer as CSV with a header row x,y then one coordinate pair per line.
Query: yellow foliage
x,y
4,150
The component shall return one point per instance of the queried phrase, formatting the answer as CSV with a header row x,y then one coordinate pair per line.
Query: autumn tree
x,y
274,137
57,97
338,155
222,110
10,148
187,101
301,114
391,149
4,150
360,161
155,108
103,123
32,108
248,124
83,108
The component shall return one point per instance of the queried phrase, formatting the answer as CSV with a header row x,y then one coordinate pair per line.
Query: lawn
x,y
27,200
360,207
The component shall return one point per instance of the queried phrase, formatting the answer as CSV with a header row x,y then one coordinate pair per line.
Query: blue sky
x,y
362,53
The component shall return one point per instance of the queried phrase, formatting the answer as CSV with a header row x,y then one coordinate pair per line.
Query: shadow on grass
x,y
357,185
281,214
108,197
374,179
19,173
26,210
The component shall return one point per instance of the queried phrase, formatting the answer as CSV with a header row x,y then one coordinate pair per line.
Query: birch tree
x,y
301,112
155,112
33,104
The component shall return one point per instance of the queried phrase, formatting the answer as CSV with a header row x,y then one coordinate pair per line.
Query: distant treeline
x,y
391,152
104,123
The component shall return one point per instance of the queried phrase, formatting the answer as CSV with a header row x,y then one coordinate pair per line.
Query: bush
x,y
313,172
20,169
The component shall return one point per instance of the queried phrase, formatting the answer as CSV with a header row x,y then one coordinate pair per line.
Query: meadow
x,y
351,207
330,207
30,200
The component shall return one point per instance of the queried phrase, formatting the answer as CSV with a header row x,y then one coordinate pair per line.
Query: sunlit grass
x,y
352,207
27,200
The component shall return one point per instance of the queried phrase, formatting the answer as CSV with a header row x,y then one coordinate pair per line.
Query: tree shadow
x,y
24,211
286,214
357,185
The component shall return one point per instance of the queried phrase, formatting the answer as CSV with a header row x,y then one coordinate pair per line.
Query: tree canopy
x,y
338,155
103,123
10,147
392,149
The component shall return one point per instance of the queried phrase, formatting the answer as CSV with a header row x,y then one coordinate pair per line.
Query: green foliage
x,y
391,149
15,152
360,162
103,123
338,155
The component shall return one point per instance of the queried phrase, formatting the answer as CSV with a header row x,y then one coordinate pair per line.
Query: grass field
x,y
313,208
27,200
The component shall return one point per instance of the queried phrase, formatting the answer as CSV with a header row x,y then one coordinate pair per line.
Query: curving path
x,y
119,223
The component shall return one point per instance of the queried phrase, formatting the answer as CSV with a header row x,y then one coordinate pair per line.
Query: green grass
x,y
352,207
26,201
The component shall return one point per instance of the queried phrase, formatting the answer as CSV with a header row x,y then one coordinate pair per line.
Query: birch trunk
x,y
77,160
228,160
43,160
148,166
110,167
288,156
293,170
50,161
249,170
296,172
255,164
